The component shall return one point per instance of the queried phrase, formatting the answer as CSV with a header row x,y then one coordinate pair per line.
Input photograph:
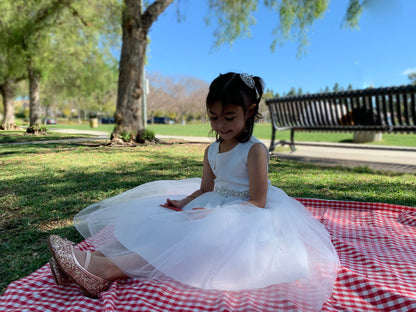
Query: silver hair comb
x,y
248,80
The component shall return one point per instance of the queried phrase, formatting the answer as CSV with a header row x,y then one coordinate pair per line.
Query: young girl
x,y
234,231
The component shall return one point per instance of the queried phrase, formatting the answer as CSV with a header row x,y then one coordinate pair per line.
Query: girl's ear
x,y
251,109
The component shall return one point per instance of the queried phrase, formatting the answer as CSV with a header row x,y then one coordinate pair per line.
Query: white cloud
x,y
409,71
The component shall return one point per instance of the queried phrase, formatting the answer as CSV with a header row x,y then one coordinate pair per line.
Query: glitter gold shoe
x,y
59,277
63,254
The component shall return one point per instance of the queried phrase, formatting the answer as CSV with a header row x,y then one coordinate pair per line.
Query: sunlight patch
x,y
53,225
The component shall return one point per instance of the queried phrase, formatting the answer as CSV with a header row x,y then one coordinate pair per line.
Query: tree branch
x,y
75,13
153,11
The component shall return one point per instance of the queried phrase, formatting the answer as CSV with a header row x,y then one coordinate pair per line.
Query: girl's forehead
x,y
217,108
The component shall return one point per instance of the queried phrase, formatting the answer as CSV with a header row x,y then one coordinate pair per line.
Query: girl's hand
x,y
176,205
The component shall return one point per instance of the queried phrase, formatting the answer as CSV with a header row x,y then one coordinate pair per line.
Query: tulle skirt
x,y
231,245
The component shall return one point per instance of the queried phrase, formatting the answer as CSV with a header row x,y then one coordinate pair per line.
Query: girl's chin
x,y
228,139
226,135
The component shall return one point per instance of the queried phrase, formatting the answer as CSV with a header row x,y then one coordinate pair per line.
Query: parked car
x,y
161,120
50,121
107,120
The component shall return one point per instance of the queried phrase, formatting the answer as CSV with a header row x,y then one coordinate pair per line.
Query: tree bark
x,y
7,93
135,27
34,102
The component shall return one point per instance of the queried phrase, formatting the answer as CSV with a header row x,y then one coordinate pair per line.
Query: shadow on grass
x,y
75,188
36,148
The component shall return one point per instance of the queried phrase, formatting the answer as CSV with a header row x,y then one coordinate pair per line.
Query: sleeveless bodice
x,y
230,168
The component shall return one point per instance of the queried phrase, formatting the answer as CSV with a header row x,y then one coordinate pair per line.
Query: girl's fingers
x,y
172,204
172,208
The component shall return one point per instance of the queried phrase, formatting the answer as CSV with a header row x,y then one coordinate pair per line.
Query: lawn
x,y
43,186
19,136
261,131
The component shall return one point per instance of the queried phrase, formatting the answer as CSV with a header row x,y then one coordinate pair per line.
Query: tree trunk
x,y
34,102
135,27
7,93
133,49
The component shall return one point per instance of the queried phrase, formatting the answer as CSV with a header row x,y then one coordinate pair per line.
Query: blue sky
x,y
379,54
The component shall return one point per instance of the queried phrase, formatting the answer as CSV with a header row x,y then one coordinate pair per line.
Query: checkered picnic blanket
x,y
376,244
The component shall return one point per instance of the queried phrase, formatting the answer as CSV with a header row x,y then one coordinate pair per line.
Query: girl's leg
x,y
97,253
95,276
103,267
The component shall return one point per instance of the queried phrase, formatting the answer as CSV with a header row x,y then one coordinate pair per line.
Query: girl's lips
x,y
224,132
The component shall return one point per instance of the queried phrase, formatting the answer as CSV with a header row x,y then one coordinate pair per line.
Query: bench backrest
x,y
384,109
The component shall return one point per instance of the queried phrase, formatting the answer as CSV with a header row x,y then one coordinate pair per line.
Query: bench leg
x,y
272,143
292,140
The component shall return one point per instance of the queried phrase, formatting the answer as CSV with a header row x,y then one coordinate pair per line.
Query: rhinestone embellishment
x,y
225,191
248,80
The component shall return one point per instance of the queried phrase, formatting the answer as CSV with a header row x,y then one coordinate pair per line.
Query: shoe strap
x,y
87,260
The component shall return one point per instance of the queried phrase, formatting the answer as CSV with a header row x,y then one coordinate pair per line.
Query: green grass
x,y
43,186
261,131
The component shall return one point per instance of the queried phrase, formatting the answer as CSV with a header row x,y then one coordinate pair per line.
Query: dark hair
x,y
237,89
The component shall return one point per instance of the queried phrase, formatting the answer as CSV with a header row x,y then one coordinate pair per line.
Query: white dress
x,y
231,245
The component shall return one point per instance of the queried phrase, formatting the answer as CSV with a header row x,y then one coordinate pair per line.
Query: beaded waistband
x,y
225,191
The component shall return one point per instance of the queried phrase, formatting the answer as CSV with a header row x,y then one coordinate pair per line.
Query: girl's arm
x,y
207,185
257,164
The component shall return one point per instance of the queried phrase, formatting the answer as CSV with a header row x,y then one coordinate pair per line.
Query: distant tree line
x,y
412,78
180,98
299,91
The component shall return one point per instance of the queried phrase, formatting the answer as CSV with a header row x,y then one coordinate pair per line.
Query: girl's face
x,y
228,121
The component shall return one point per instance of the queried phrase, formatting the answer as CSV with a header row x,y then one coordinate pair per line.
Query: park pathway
x,y
383,158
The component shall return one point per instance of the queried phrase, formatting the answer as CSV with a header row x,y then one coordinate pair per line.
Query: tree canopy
x,y
38,34
294,18
412,78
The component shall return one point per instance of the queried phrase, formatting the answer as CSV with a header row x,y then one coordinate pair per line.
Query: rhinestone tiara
x,y
248,80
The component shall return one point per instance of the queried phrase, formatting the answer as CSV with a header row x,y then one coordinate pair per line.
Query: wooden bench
x,y
391,110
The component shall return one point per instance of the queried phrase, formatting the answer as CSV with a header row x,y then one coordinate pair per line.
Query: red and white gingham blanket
x,y
376,244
